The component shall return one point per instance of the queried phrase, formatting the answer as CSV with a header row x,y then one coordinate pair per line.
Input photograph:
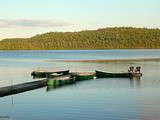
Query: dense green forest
x,y
107,38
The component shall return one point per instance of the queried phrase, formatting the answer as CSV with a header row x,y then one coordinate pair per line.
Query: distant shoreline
x,y
104,38
1,50
108,60
83,49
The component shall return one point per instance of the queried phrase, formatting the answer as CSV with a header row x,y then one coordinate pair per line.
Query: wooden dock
x,y
15,89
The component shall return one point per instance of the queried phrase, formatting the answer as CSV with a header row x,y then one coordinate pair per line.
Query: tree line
x,y
107,38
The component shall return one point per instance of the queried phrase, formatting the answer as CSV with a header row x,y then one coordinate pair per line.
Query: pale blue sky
x,y
24,18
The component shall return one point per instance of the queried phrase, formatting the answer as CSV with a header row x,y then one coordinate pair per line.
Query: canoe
x,y
43,74
60,80
84,76
100,74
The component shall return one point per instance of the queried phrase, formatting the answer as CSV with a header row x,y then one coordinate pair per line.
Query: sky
x,y
26,18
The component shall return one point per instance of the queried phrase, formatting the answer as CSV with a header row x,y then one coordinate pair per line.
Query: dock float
x,y
15,89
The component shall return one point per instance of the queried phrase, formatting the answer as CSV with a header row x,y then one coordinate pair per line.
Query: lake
x,y
99,99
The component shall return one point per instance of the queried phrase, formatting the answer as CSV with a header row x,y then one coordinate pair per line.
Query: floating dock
x,y
15,89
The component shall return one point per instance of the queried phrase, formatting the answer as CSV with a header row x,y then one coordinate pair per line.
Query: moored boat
x,y
100,74
60,80
84,76
45,74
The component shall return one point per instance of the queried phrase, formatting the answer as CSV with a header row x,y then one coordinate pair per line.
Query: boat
x,y
45,74
100,74
60,80
83,76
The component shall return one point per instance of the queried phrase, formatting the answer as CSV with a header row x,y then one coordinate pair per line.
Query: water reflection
x,y
135,82
52,88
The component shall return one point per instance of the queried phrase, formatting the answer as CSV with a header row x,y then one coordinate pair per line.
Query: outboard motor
x,y
131,69
138,69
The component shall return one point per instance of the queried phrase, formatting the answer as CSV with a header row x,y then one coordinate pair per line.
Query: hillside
x,y
107,38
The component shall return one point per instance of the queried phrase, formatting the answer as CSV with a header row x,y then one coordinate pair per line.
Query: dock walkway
x,y
15,89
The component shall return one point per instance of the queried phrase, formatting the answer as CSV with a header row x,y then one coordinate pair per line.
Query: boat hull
x,y
100,74
37,74
81,78
60,81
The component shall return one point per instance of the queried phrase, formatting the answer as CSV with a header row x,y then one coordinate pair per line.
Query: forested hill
x,y
108,38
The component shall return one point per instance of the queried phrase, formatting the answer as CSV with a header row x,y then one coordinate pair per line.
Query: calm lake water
x,y
101,99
